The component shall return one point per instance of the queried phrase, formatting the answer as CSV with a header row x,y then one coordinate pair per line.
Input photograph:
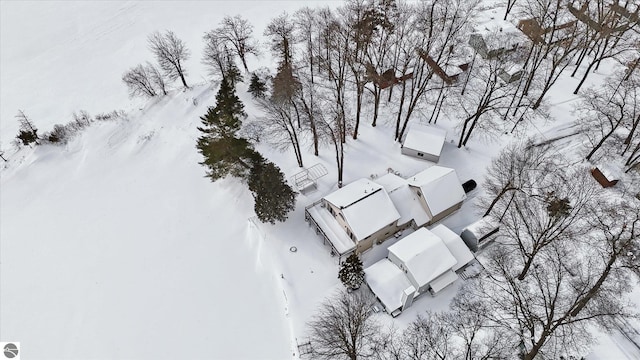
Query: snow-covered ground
x,y
116,246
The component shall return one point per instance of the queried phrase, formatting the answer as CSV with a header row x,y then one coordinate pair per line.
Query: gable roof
x,y
405,200
425,138
388,282
455,245
366,207
440,188
424,254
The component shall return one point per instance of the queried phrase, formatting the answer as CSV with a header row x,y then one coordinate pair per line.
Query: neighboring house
x,y
492,36
439,190
424,261
355,217
424,142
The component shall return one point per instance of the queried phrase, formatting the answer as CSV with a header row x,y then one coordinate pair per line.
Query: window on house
x,y
341,216
419,193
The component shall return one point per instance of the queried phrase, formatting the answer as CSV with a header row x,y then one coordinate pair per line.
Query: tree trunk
x,y
601,142
584,78
359,90
184,82
312,123
400,112
244,62
376,104
504,190
526,267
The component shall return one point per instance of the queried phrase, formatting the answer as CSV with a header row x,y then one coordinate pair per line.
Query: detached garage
x,y
424,142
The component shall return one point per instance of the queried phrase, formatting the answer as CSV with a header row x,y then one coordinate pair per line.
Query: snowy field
x,y
116,246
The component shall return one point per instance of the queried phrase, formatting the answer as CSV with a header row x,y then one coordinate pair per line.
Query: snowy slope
x,y
79,49
118,247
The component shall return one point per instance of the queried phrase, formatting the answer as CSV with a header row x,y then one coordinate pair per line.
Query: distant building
x,y
493,36
604,177
424,142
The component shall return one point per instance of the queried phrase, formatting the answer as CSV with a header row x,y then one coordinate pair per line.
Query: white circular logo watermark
x,y
11,350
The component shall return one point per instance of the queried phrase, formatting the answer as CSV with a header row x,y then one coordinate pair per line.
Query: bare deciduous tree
x,y
343,327
139,81
238,32
281,32
614,105
538,219
278,126
156,78
486,95
171,53
521,166
571,286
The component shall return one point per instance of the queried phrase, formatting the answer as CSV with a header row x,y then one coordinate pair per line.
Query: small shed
x,y
604,177
424,142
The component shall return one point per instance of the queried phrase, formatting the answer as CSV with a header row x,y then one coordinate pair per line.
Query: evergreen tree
x,y
351,273
224,152
225,119
232,74
28,133
257,87
274,198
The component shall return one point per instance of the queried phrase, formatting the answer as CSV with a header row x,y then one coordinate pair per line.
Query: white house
x,y
412,214
424,142
419,263
355,217
439,190
367,212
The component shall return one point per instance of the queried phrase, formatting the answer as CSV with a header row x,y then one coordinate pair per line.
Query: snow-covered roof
x,y
391,182
330,226
424,254
366,207
443,281
425,138
440,187
404,199
388,282
481,227
455,245
352,192
498,33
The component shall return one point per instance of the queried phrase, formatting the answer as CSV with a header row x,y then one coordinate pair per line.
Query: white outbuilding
x,y
424,142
